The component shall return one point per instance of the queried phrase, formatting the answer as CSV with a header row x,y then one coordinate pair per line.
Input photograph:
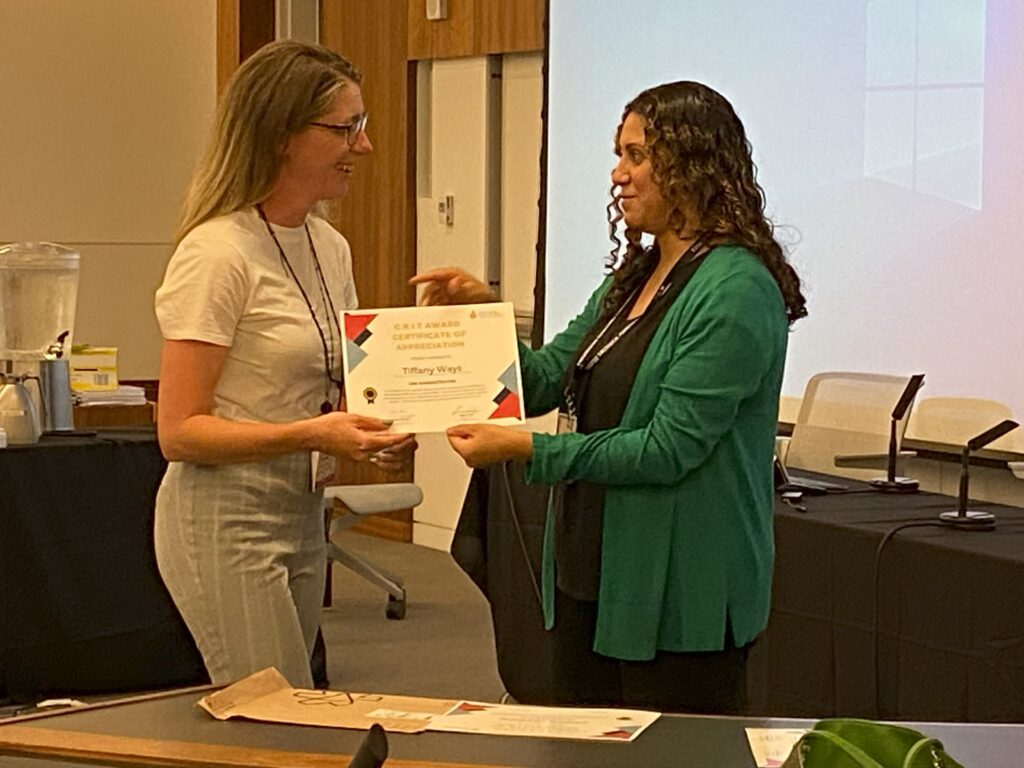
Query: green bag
x,y
849,743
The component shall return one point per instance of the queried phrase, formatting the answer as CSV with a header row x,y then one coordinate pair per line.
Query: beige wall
x,y
457,156
106,105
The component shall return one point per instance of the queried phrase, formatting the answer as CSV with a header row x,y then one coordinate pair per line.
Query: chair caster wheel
x,y
396,608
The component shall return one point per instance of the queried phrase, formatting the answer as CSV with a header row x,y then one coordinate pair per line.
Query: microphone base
x,y
899,485
970,520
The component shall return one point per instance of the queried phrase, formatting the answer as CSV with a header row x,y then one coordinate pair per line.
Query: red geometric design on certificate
x,y
624,735
508,407
468,706
356,324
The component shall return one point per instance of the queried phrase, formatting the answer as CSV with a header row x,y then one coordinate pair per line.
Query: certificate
x,y
615,725
430,368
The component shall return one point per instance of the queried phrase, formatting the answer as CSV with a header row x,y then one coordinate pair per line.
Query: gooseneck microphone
x,y
891,483
373,751
962,517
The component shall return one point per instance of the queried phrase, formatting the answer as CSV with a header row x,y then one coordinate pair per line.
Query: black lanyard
x,y
325,296
595,350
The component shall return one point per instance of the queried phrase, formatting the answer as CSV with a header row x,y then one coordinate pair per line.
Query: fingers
x,y
450,285
373,442
442,273
368,423
396,457
406,446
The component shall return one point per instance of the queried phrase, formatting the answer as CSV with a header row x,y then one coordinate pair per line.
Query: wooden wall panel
x,y
476,28
379,214
228,43
256,26
455,36
511,27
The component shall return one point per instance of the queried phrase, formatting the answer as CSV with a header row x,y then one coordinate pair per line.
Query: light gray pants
x,y
241,550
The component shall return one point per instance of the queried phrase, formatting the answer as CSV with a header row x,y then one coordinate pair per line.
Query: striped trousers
x,y
241,549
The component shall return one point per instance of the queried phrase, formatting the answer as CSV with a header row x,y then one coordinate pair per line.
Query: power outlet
x,y
446,210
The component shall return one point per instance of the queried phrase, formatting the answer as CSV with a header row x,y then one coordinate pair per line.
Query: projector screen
x,y
889,138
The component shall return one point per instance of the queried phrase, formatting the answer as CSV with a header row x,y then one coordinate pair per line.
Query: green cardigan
x,y
687,539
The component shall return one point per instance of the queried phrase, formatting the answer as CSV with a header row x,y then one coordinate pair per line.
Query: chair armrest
x,y
782,449
871,460
375,498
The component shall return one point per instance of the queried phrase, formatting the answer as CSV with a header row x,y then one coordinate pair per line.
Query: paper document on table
x,y
267,697
430,368
771,746
621,725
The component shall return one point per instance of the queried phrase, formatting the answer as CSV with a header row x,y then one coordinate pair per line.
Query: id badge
x,y
566,423
321,470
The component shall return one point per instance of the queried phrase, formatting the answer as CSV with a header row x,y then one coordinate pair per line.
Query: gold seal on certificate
x,y
430,368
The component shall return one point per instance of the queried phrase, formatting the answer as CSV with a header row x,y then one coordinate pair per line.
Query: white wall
x,y
106,105
479,141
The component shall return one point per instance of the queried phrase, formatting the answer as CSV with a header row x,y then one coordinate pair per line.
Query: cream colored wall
x,y
106,105
522,85
454,153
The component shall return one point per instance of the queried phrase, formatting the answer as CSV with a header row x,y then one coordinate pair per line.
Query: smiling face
x,y
642,204
320,162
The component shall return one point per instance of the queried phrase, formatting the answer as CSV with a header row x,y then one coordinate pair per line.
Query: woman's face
x,y
640,199
320,161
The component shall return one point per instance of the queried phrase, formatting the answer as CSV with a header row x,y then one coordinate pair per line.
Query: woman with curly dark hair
x,y
658,548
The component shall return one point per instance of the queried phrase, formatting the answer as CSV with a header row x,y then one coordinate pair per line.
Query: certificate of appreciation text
x,y
430,368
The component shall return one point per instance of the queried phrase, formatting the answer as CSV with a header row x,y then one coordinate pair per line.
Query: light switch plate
x,y
437,10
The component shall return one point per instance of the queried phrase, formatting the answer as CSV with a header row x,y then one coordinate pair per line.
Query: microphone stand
x,y
962,517
891,483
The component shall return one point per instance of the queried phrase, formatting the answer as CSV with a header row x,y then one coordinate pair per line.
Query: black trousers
x,y
705,683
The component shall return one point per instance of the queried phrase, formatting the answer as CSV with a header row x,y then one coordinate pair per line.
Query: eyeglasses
x,y
349,131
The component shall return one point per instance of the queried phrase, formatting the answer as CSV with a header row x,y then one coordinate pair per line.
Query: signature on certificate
x,y
465,412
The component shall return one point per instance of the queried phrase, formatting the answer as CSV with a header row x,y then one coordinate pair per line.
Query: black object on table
x,y
950,639
82,606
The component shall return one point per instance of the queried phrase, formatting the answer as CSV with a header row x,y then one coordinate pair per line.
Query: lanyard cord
x,y
328,350
589,358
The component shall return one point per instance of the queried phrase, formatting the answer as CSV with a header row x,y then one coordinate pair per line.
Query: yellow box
x,y
93,369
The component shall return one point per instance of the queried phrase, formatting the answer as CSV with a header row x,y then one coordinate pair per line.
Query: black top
x,y
600,394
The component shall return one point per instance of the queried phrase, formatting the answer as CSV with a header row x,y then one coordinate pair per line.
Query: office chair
x,y
842,414
955,420
360,501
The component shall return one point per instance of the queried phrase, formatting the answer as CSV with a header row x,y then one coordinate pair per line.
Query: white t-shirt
x,y
226,284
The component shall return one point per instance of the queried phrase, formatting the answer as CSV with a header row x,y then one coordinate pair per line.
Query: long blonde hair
x,y
276,92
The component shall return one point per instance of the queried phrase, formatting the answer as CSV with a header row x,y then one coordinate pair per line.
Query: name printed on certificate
x,y
431,368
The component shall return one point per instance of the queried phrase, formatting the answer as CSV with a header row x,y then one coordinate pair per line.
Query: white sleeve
x,y
204,293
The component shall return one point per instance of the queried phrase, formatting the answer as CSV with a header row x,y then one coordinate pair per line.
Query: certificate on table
x,y
430,368
616,725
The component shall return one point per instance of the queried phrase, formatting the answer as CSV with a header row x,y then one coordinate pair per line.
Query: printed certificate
x,y
617,725
430,368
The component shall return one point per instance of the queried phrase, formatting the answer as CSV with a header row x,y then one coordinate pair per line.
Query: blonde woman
x,y
250,379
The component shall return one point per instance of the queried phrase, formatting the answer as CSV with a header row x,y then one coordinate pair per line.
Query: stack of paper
x,y
123,395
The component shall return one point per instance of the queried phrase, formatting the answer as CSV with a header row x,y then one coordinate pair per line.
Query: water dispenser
x,y
38,294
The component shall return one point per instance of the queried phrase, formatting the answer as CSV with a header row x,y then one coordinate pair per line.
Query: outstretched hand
x,y
481,444
358,437
451,285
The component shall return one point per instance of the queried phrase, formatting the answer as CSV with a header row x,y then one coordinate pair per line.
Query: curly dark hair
x,y
701,162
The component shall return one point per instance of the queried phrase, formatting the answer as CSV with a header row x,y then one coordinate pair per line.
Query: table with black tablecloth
x,y
950,611
82,606
177,731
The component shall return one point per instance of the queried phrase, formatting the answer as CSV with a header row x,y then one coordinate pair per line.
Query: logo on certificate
x,y
370,394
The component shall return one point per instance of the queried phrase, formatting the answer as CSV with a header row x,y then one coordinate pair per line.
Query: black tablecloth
x,y
82,606
950,613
